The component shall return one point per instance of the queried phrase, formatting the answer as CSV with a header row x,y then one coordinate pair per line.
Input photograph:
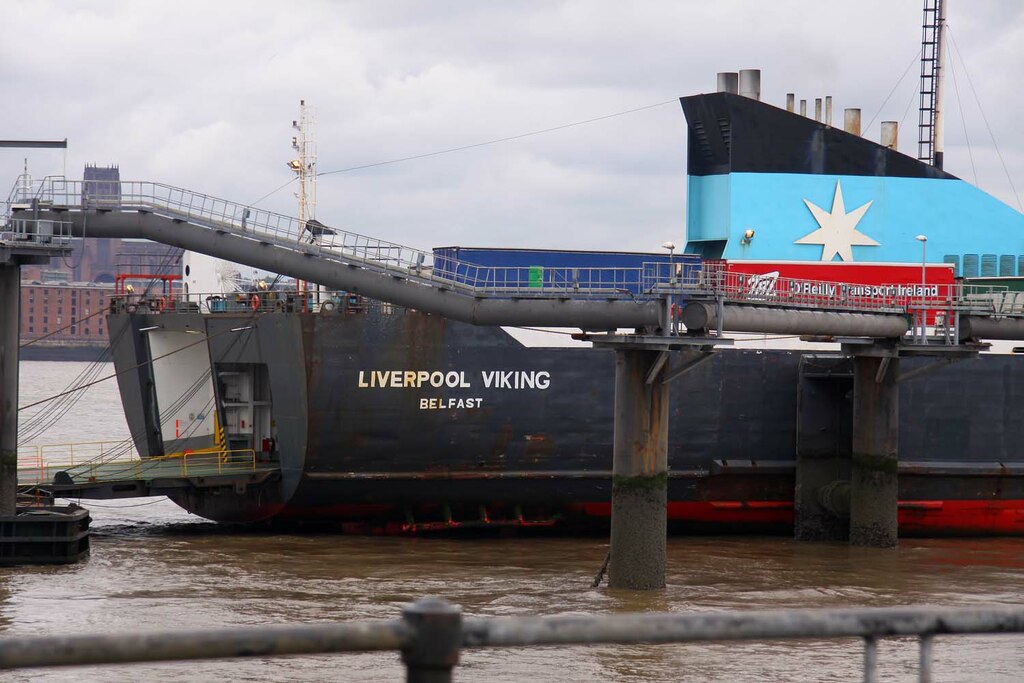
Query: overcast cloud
x,y
202,95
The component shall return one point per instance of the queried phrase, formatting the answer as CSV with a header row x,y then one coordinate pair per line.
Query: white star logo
x,y
838,232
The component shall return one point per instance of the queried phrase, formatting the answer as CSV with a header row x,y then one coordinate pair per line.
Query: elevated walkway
x,y
586,298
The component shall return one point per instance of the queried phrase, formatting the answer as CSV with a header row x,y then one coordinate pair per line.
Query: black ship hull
x,y
398,421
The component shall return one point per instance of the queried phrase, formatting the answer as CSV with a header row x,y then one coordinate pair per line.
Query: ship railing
x,y
770,289
432,634
40,464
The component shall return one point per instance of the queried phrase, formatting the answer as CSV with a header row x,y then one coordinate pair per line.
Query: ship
x,y
379,418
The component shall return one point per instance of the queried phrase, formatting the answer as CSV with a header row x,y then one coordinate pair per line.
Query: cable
x,y
492,142
274,191
66,327
881,106
984,118
963,122
134,367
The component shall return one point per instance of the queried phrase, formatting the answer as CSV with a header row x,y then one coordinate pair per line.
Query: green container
x,y
536,277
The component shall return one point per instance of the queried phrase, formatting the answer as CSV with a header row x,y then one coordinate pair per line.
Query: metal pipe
x,y
940,87
10,319
851,121
803,108
478,632
728,81
817,109
988,327
750,83
828,110
770,320
790,101
890,135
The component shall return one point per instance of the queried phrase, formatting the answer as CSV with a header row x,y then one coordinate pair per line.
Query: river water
x,y
155,567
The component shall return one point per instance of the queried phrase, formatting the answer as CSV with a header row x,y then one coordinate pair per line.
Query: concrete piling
x,y
639,472
874,466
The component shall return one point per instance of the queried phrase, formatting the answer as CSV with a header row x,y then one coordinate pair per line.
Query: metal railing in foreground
x,y
432,632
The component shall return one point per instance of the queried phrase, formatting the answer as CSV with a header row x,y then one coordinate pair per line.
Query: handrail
x,y
432,633
667,283
192,463
646,282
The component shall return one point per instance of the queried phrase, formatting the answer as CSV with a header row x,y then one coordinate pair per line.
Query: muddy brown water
x,y
154,567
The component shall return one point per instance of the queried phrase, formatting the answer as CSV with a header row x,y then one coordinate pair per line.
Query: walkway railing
x,y
40,464
653,280
432,633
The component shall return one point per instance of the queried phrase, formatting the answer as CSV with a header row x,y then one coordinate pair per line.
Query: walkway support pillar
x,y
874,466
821,497
10,306
639,471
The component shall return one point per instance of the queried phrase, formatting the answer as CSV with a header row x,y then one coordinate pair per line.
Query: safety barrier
x,y
432,633
39,464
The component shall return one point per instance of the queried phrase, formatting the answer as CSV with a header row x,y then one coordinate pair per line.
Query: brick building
x,y
80,307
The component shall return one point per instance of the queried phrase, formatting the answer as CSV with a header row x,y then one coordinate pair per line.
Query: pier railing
x,y
432,633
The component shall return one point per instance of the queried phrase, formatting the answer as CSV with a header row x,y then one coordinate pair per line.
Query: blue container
x,y
546,270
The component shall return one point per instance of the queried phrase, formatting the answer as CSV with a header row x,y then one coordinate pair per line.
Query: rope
x,y
66,327
134,367
602,571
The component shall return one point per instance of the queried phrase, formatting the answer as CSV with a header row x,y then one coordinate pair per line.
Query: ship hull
x,y
406,422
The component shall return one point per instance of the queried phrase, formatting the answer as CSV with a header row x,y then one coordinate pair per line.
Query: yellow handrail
x,y
182,464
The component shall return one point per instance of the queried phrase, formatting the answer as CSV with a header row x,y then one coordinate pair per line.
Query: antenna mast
x,y
305,168
933,52
305,165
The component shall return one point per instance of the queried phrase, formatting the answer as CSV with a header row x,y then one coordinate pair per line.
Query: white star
x,y
838,232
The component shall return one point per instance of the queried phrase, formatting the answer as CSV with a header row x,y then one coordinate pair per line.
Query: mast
x,y
305,168
933,53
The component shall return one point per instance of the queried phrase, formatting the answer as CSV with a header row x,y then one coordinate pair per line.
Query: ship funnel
x,y
851,121
803,107
750,83
890,135
728,81
817,109
828,110
790,101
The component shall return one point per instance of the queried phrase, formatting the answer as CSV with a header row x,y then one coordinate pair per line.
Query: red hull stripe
x,y
916,517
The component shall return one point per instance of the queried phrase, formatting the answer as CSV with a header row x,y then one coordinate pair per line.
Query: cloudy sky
x,y
202,94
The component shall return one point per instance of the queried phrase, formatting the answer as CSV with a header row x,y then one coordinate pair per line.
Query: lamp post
x,y
669,307
923,239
